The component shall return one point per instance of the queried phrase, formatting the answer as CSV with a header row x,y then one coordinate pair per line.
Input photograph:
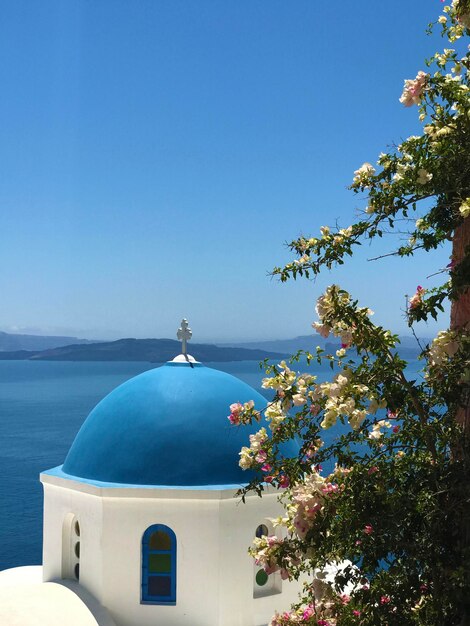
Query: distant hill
x,y
12,347
408,347
12,343
285,346
150,350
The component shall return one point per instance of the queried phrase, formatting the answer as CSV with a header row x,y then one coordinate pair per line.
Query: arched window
x,y
264,584
71,547
159,565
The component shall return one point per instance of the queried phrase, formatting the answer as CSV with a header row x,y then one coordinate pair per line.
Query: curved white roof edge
x,y
26,600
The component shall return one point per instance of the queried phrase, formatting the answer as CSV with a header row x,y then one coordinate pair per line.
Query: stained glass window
x,y
159,565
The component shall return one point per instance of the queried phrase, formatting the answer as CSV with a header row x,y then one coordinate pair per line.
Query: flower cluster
x,y
307,500
464,208
268,553
243,413
443,347
417,299
256,454
318,614
342,398
376,432
292,390
331,321
413,90
363,175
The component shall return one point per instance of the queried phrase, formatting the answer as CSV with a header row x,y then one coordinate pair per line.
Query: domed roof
x,y
166,427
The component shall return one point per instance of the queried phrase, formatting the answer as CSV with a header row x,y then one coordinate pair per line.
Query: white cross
x,y
184,334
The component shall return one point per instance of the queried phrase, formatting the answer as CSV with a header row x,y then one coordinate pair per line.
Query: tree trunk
x,y
460,309
460,319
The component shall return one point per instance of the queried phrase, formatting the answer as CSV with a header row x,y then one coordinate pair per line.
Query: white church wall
x,y
239,607
195,524
215,574
59,504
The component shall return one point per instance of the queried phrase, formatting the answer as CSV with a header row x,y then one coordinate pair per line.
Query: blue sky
x,y
157,154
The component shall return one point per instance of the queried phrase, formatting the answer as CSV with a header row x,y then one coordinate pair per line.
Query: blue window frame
x,y
159,565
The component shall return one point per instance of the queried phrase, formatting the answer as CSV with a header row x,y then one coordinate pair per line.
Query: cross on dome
x,y
184,334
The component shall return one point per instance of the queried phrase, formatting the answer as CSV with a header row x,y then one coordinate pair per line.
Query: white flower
x,y
423,177
445,345
413,89
357,418
376,432
464,208
363,174
330,419
322,329
298,399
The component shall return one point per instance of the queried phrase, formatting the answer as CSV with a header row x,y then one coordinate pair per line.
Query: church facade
x,y
143,518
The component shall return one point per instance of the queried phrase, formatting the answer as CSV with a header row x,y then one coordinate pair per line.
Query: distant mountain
x,y
151,350
31,347
407,348
285,346
12,343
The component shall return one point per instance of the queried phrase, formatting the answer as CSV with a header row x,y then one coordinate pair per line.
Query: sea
x,y
42,406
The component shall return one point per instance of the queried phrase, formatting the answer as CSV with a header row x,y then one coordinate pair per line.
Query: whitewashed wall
x,y
213,531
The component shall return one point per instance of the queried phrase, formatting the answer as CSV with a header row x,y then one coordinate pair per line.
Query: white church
x,y
142,526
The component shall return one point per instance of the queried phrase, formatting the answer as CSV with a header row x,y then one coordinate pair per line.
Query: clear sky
x,y
157,154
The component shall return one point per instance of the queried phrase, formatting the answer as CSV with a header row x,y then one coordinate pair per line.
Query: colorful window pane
x,y
261,578
160,540
159,565
262,531
159,585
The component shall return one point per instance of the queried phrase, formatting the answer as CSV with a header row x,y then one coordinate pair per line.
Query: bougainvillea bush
x,y
390,520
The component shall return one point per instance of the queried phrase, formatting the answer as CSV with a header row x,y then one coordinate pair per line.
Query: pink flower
x,y
373,470
368,529
323,622
261,456
284,481
329,488
309,612
356,612
314,409
268,479
413,89
358,542
266,468
396,429
417,299
385,600
235,409
345,599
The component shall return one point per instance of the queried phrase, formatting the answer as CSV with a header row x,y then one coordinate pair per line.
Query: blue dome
x,y
166,427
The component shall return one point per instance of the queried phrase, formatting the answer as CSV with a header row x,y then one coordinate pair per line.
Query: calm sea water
x,y
42,406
